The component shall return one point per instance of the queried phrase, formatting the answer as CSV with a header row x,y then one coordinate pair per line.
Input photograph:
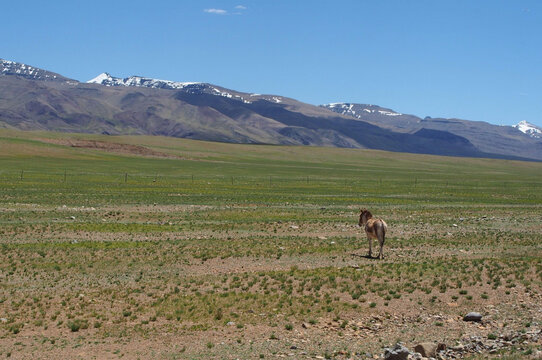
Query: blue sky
x,y
476,60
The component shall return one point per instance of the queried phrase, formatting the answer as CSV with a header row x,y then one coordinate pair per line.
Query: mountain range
x,y
37,99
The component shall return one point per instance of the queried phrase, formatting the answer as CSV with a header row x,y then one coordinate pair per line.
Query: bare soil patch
x,y
118,148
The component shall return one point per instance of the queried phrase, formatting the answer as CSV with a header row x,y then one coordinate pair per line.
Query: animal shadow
x,y
365,256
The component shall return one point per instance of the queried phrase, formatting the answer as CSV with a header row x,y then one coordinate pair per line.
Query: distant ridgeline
x,y
36,99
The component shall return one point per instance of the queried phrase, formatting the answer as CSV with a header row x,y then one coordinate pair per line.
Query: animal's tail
x,y
381,231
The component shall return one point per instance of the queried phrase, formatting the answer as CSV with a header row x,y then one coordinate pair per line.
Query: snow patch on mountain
x,y
102,78
139,81
108,80
355,109
8,67
529,129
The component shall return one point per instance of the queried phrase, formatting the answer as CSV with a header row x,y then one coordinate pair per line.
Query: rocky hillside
x,y
35,99
522,140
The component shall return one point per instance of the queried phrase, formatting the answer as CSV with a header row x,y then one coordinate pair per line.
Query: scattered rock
x,y
398,352
3,320
230,323
454,225
294,227
472,316
427,349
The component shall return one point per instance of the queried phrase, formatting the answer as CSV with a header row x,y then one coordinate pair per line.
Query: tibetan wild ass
x,y
375,229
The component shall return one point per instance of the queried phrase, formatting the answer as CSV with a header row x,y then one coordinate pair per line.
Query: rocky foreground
x,y
468,346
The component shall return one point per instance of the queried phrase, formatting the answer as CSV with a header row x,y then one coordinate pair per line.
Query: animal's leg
x,y
381,233
370,246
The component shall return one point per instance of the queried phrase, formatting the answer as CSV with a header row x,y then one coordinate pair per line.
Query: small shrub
x,y
77,324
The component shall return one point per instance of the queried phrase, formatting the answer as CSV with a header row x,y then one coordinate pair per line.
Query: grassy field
x,y
185,249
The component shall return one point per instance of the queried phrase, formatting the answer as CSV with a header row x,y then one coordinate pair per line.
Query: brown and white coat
x,y
374,229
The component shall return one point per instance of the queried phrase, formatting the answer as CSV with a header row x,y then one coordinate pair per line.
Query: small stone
x,y
398,352
472,316
454,225
458,348
72,217
294,227
293,347
426,349
3,320
230,323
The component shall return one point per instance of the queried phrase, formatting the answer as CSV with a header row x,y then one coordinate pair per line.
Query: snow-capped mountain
x,y
36,99
192,87
108,80
8,67
529,129
358,110
485,136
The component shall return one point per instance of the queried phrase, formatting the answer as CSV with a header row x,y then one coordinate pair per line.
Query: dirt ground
x,y
176,288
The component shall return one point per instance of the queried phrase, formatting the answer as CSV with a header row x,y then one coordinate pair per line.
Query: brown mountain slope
x,y
489,138
205,112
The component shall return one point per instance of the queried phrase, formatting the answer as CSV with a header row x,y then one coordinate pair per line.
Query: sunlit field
x,y
184,249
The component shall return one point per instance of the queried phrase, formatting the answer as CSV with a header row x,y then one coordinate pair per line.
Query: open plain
x,y
149,247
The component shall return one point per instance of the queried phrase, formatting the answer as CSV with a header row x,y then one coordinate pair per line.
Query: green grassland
x,y
118,245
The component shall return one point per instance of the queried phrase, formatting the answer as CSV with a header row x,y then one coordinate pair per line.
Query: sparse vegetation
x,y
97,260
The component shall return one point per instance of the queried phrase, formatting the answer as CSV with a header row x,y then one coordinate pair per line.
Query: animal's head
x,y
364,215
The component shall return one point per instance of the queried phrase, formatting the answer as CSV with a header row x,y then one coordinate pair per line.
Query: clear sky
x,y
470,59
